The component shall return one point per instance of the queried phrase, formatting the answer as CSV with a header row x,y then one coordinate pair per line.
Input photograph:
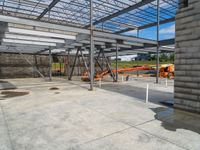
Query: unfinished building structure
x,y
88,28
63,27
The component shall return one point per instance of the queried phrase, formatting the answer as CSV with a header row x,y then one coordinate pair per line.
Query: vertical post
x,y
138,34
91,47
60,69
116,62
79,66
68,64
157,52
50,59
50,65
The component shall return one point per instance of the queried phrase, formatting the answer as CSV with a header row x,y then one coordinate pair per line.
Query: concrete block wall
x,y
15,66
187,62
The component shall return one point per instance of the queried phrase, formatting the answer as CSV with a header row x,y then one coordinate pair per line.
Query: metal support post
x,y
79,66
91,47
68,64
50,65
157,52
138,34
116,62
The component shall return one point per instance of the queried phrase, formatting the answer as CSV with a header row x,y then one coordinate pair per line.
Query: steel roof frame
x,y
136,13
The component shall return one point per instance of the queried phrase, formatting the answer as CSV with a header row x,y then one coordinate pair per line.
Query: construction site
x,y
99,74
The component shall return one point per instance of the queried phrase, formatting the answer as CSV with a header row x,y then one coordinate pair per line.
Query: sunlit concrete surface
x,y
64,115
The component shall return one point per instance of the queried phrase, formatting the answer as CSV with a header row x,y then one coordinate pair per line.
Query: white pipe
x,y
147,93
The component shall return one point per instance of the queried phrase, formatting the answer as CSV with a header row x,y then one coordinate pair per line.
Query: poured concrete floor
x,y
63,115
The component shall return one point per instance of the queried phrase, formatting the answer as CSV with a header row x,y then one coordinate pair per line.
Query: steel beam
x,y
122,37
51,5
130,8
30,22
41,24
148,25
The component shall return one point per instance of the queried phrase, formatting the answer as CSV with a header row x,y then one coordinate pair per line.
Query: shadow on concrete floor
x,y
10,94
140,93
173,119
5,85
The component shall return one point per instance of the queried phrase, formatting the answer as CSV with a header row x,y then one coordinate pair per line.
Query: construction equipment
x,y
167,71
101,74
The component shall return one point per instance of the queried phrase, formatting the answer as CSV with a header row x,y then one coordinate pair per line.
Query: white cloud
x,y
132,32
168,30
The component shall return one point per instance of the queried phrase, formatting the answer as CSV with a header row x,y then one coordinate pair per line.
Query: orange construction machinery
x,y
166,71
101,74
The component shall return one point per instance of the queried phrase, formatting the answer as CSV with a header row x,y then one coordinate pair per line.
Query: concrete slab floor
x,y
64,115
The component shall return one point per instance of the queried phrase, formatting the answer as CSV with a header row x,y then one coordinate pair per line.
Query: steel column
x,y
116,62
138,34
50,65
79,66
157,52
91,47
68,64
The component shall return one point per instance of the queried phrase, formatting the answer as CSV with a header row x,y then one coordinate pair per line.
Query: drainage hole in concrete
x,y
54,88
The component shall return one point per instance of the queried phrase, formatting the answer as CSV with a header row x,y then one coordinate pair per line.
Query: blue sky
x,y
167,31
